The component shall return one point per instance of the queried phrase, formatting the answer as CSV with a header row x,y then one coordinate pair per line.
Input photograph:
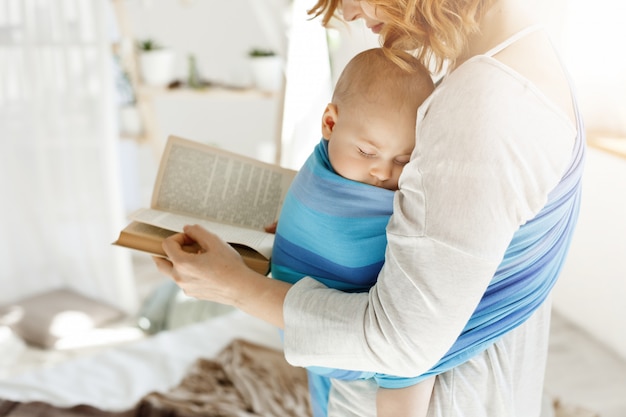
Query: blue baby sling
x,y
330,228
333,230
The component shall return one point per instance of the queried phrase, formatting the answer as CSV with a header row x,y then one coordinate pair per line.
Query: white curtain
x,y
308,88
59,183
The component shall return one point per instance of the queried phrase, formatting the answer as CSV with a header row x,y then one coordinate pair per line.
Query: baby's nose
x,y
382,171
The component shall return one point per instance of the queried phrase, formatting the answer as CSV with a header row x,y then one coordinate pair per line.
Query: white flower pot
x,y
157,67
267,72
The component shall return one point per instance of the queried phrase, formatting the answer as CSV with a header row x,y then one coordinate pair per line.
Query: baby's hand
x,y
271,228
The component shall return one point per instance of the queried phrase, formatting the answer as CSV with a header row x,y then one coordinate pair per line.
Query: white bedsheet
x,y
117,378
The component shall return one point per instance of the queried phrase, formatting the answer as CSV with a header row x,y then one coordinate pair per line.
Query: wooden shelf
x,y
146,95
210,92
610,143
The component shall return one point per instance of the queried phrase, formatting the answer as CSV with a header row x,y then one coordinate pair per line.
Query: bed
x,y
200,361
231,365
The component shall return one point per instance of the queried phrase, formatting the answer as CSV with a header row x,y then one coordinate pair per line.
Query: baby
x,y
332,225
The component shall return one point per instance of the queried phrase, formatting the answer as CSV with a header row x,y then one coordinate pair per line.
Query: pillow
x,y
43,319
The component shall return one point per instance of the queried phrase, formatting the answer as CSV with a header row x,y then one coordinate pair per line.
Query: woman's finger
x,y
200,236
177,246
163,265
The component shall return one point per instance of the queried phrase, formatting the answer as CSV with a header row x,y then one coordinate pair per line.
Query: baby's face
x,y
371,144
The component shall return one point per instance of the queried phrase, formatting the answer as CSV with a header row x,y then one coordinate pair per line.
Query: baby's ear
x,y
329,118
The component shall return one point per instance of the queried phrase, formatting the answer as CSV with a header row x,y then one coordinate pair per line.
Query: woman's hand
x,y
206,267
201,264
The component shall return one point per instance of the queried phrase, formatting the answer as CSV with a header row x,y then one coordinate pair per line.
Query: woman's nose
x,y
351,10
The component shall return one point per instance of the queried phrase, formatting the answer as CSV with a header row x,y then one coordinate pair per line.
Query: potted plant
x,y
267,69
156,63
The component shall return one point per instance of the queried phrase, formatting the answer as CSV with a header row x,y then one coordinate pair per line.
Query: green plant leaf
x,y
261,52
149,45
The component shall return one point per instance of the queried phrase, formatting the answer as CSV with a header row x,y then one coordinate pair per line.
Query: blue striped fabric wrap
x,y
331,228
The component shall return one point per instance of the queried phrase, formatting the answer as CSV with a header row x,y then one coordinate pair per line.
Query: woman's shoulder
x,y
495,89
483,90
482,77
486,120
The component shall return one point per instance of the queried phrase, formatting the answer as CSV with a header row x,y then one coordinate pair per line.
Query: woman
x,y
482,221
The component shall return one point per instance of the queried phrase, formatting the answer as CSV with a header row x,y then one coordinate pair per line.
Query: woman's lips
x,y
376,28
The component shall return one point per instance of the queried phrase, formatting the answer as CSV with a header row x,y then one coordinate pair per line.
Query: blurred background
x,y
83,122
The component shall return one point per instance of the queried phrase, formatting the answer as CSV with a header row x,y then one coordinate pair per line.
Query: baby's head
x,y
370,123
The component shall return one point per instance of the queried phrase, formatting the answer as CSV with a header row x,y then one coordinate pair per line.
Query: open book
x,y
231,195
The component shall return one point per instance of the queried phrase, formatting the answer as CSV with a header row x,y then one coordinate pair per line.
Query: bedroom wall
x,y
597,71
592,287
591,290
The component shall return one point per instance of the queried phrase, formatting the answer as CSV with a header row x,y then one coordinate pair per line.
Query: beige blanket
x,y
244,380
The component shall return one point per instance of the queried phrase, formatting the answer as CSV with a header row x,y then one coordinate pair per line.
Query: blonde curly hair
x,y
435,31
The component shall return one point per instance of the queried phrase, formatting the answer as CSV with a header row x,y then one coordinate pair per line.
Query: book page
x,y
258,240
212,184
